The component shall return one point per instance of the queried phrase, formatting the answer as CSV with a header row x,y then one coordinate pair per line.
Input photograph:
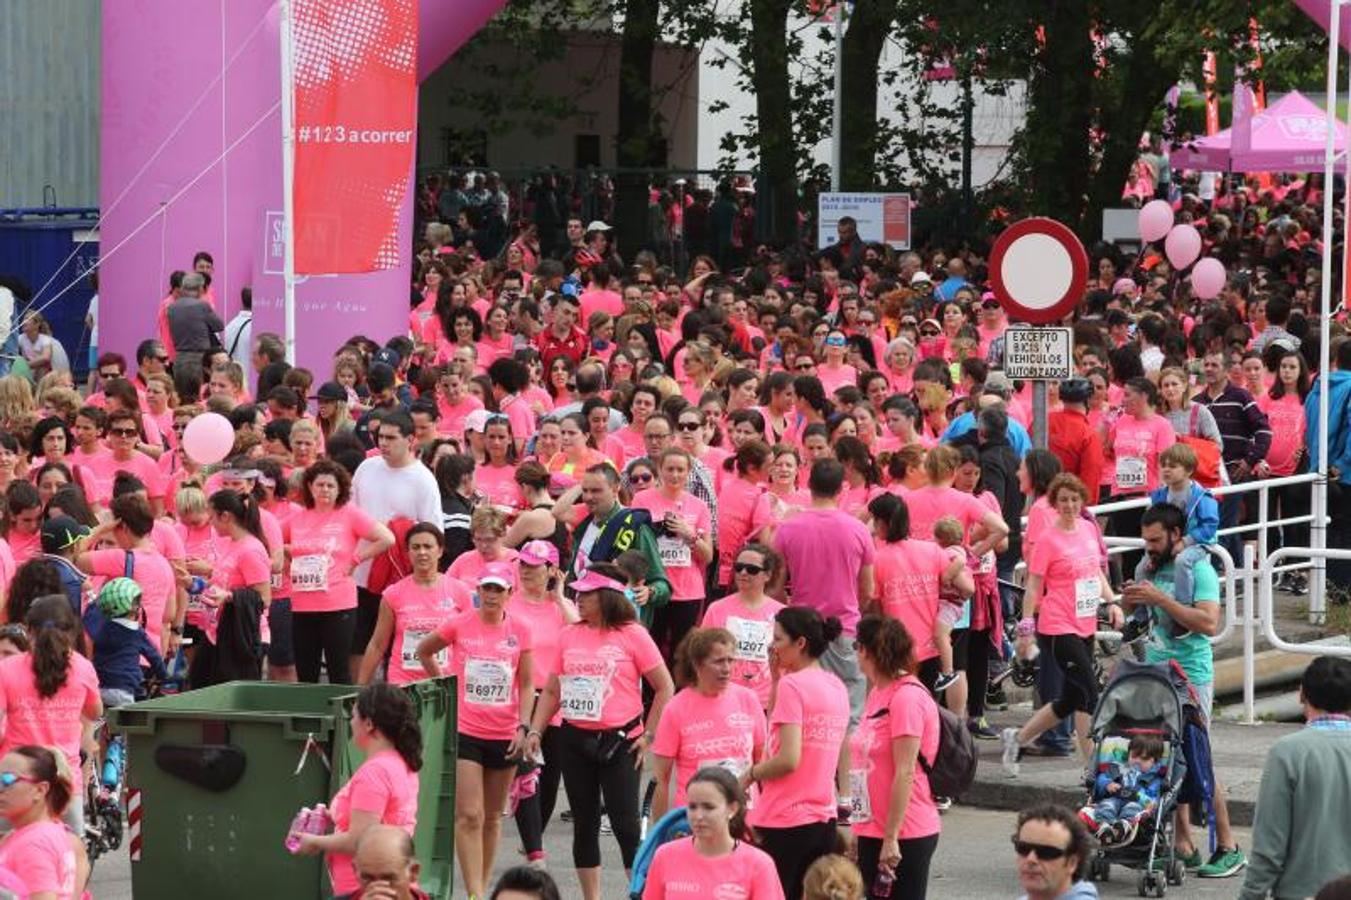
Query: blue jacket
x,y
1202,509
1339,412
1137,786
118,651
1019,439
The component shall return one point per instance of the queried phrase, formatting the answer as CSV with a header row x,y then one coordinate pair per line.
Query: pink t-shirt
x,y
451,421
855,500
383,786
817,701
241,563
683,568
7,566
753,630
726,730
928,504
485,659
908,575
1038,517
833,379
48,721
1286,417
744,508
24,545
903,708
42,857
520,415
418,611
498,484
168,541
275,517
601,672
680,871
631,441
468,565
105,468
1136,446
323,551
100,488
824,550
546,634
155,575
1071,569
600,300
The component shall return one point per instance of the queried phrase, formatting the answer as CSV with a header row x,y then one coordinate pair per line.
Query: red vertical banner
x,y
1259,86
1210,70
355,78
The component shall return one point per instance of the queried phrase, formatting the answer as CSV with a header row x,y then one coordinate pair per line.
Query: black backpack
x,y
954,765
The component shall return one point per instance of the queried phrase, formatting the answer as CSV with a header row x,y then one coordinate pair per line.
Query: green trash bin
x,y
215,776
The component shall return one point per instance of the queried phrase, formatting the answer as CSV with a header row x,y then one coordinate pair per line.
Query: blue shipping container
x,y
56,248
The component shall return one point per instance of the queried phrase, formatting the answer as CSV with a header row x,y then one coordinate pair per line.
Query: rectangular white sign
x,y
1038,354
881,218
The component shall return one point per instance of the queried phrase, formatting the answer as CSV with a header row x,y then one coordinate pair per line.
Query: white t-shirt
x,y
385,493
93,315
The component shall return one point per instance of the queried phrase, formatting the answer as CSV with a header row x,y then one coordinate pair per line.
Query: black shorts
x,y
282,651
489,754
368,611
1073,656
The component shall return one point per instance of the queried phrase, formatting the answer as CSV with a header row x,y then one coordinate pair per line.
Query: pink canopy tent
x,y
1289,136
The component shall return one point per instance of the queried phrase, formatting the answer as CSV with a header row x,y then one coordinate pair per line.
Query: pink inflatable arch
x,y
191,160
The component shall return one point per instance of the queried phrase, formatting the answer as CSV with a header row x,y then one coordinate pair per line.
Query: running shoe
x,y
1009,739
943,804
981,729
1223,864
996,699
945,681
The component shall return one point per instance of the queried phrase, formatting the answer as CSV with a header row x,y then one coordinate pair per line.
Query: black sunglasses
x,y
640,479
928,332
123,432
747,568
689,426
805,367
1044,852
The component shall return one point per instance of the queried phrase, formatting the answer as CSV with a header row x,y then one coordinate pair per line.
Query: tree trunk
x,y
1059,115
776,209
638,143
869,25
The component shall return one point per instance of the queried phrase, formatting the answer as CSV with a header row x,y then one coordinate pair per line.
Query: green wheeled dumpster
x,y
215,776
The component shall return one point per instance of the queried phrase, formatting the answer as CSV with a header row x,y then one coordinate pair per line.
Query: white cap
x,y
921,277
598,225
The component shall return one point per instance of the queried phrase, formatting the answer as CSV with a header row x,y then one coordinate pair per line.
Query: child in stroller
x,y
1123,794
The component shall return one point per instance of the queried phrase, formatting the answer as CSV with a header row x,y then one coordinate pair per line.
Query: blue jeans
x,y
1114,809
1231,507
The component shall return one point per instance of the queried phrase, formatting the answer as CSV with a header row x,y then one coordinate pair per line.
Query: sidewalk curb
x,y
994,790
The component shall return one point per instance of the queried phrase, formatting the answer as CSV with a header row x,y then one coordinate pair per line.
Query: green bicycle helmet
x,y
119,597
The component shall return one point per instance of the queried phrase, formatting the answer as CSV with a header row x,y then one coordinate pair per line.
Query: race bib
x,y
1130,472
487,682
276,583
408,650
861,807
752,639
309,573
675,553
581,697
1087,593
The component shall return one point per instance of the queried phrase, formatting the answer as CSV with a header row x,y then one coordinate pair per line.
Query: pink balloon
x,y
1183,245
1208,278
1156,217
208,438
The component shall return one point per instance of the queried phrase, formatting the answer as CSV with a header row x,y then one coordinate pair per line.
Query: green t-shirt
x,y
1192,651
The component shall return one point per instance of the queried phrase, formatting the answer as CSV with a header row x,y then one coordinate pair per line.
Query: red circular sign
x,y
1038,271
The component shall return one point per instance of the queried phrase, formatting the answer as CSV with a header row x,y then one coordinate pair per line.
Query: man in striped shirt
x,y
1244,430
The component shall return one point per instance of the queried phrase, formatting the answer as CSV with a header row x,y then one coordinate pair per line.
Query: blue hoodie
x,y
1339,404
1202,509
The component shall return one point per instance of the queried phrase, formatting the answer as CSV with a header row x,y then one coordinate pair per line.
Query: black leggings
x,y
587,779
795,849
534,812
971,654
670,624
912,873
327,635
1072,655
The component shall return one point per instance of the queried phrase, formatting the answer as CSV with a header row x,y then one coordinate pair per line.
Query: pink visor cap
x,y
594,581
538,553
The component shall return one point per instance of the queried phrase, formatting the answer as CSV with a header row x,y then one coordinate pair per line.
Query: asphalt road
x,y
973,862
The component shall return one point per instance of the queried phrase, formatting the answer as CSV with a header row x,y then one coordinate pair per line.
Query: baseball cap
x,y
998,383
921,278
498,574
119,597
476,421
1123,286
61,532
389,356
597,225
538,553
594,581
331,390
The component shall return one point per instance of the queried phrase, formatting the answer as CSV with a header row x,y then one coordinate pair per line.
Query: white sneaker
x,y
1009,738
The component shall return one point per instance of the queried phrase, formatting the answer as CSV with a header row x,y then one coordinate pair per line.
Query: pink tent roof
x,y
1289,136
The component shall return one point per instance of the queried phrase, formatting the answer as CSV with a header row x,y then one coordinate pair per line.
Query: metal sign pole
x,y
1039,436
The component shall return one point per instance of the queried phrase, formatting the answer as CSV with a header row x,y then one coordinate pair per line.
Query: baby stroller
x,y
1154,700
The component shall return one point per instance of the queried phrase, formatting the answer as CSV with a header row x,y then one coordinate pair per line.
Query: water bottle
x,y
882,884
299,825
112,764
320,821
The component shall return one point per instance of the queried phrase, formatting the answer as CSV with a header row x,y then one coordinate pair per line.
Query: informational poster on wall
x,y
881,218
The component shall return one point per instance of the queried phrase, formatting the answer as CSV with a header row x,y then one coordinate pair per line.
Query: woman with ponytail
x,y
49,694
243,559
717,856
797,811
382,791
36,787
